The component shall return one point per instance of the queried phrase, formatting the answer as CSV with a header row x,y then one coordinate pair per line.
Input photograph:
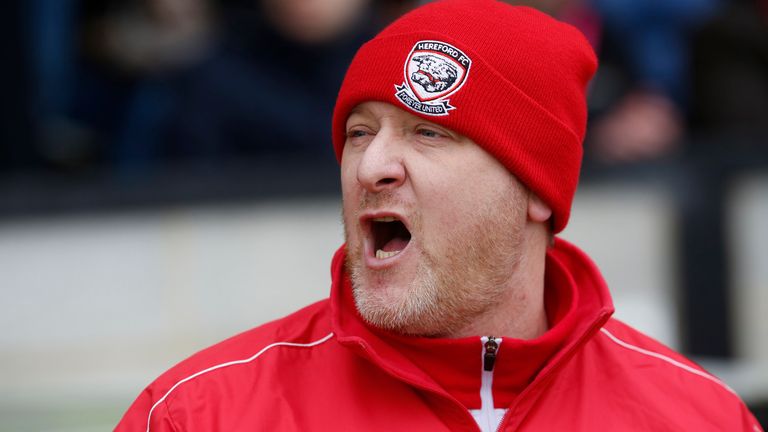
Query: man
x,y
453,307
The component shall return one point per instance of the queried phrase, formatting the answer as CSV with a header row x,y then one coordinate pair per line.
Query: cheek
x,y
455,189
349,184
349,208
442,205
350,192
459,199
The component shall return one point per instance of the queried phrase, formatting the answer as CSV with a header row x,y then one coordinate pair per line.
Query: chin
x,y
388,287
400,300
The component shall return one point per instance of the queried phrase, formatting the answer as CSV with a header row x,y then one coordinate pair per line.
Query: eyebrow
x,y
359,109
356,112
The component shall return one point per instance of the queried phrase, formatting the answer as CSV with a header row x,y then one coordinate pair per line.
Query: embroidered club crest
x,y
433,71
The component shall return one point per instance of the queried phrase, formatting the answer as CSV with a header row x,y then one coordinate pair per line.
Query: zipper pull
x,y
490,353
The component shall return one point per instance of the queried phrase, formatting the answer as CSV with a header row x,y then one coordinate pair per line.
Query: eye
x,y
429,133
356,133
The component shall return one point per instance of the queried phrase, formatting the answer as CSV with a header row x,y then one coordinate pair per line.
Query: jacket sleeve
x,y
138,419
749,422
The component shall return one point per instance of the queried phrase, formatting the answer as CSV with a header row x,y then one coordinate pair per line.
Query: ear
x,y
538,210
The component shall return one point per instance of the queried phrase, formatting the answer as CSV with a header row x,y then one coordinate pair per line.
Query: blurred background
x,y
167,180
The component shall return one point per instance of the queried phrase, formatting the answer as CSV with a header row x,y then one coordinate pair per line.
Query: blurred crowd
x,y
134,85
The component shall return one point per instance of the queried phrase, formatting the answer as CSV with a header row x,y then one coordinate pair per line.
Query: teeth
x,y
385,219
380,254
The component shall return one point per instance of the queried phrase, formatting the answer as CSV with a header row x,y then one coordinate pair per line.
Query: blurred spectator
x,y
730,123
644,124
152,36
652,38
138,84
132,51
270,86
576,12
731,71
15,82
640,96
49,32
313,22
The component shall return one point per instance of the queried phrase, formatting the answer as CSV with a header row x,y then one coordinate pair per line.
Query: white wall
x,y
94,308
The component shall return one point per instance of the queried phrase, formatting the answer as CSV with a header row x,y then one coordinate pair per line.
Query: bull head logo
x,y
433,71
434,74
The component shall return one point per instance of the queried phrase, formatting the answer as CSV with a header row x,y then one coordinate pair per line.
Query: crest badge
x,y
433,71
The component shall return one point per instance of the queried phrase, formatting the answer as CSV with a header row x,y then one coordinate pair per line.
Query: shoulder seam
x,y
232,363
666,359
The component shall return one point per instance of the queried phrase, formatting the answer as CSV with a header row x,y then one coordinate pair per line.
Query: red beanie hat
x,y
512,79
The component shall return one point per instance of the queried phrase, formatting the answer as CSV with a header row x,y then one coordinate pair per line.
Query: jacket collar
x,y
577,303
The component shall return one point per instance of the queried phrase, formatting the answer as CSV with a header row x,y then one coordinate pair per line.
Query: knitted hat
x,y
512,79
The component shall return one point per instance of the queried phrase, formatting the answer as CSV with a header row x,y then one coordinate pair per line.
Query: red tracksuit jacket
x,y
323,369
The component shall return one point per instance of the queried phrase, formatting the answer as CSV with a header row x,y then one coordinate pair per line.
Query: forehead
x,y
375,110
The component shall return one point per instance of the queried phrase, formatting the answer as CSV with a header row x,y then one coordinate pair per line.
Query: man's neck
x,y
519,313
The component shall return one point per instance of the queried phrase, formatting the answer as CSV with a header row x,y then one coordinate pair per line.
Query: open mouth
x,y
389,235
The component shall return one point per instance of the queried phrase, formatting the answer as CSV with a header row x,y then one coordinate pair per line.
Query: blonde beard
x,y
448,294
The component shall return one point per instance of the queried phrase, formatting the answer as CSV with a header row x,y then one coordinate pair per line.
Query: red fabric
x,y
523,100
574,378
455,364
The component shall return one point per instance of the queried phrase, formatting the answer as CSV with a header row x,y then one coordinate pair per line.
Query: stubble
x,y
459,276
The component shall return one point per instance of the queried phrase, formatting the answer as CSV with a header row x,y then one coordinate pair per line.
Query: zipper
x,y
490,351
490,348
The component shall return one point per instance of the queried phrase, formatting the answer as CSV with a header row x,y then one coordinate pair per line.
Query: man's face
x,y
432,222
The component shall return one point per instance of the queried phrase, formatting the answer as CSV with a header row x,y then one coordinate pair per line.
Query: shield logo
x,y
433,71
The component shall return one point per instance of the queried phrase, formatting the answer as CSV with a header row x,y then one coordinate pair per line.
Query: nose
x,y
381,167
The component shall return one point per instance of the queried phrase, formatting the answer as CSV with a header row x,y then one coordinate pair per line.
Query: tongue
x,y
396,244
